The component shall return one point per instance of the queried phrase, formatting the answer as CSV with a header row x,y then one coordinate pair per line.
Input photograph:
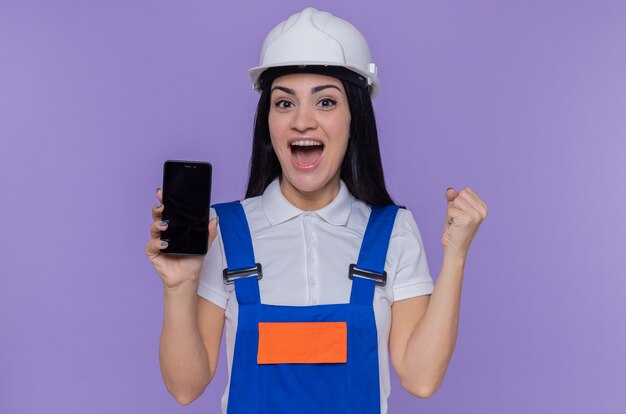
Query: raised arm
x,y
192,326
424,329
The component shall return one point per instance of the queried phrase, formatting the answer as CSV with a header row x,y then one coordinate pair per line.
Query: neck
x,y
310,200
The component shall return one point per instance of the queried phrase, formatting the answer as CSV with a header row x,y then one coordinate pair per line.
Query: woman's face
x,y
309,123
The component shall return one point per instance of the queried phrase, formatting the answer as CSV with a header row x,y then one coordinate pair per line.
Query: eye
x,y
283,104
327,103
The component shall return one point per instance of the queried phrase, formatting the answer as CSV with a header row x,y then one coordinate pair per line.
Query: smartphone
x,y
187,204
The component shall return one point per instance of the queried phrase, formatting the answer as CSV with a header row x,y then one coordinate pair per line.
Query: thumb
x,y
451,194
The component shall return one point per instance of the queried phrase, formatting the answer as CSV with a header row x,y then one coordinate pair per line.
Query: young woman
x,y
317,274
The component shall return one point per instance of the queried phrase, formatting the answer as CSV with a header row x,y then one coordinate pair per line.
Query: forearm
x,y
183,357
431,344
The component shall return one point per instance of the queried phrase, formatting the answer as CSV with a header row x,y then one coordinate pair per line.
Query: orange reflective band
x,y
302,342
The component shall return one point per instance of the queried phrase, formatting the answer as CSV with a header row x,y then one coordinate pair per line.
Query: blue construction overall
x,y
347,381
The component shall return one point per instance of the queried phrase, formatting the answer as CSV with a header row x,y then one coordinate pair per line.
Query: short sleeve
x,y
211,285
413,275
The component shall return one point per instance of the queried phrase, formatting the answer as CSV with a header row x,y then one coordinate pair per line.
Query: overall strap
x,y
238,249
373,253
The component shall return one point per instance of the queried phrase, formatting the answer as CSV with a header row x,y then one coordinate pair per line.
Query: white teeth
x,y
306,143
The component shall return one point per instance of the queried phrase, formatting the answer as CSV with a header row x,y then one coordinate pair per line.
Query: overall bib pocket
x,y
302,342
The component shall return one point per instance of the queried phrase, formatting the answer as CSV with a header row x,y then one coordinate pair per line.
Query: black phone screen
x,y
187,201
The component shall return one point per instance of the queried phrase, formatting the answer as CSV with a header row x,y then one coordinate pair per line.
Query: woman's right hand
x,y
174,270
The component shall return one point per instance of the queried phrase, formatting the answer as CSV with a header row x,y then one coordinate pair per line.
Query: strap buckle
x,y
379,278
231,275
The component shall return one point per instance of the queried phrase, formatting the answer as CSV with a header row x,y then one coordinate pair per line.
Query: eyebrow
x,y
322,87
316,89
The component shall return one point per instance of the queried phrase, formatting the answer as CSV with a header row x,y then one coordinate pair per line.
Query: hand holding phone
x,y
174,269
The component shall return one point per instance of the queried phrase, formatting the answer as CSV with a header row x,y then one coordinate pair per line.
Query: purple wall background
x,y
525,102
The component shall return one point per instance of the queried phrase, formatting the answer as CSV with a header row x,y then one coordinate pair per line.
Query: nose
x,y
303,119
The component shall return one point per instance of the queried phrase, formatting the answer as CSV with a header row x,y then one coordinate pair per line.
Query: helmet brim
x,y
361,78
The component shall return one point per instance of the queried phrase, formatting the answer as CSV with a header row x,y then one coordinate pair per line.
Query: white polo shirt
x,y
305,257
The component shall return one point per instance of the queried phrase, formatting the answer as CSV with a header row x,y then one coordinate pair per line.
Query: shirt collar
x,y
278,209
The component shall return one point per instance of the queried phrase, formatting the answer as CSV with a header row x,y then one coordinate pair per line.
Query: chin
x,y
307,183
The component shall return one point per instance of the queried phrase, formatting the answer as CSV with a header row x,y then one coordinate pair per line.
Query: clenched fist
x,y
464,214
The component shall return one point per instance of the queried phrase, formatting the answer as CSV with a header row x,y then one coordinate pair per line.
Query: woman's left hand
x,y
463,217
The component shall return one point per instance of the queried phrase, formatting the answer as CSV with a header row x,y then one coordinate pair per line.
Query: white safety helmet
x,y
316,38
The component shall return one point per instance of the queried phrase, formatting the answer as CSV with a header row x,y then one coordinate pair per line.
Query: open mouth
x,y
306,151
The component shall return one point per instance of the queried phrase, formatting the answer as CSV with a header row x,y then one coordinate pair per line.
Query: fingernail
x,y
158,188
448,188
157,205
163,243
164,223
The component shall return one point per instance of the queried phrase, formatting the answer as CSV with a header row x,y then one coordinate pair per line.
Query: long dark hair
x,y
361,169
